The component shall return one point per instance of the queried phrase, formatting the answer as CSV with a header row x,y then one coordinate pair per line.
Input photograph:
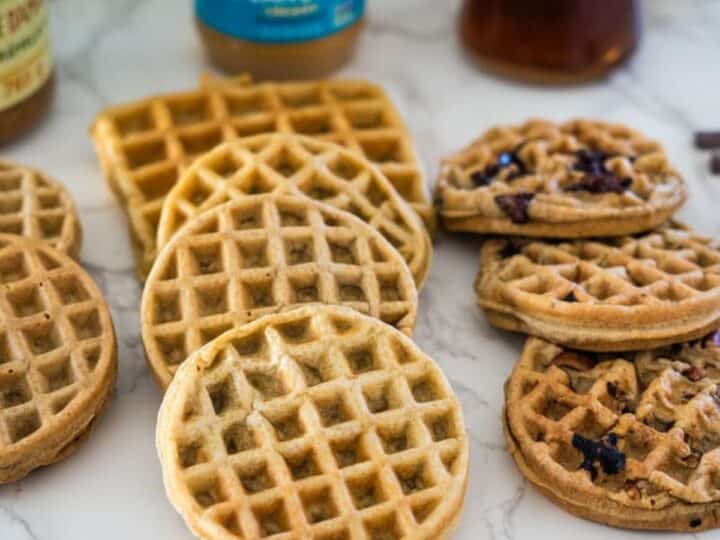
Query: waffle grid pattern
x,y
548,152
33,205
662,405
667,274
258,255
56,341
145,146
322,171
331,438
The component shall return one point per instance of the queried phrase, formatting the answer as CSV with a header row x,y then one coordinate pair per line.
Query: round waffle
x,y
318,422
34,205
57,355
323,171
259,255
631,440
144,146
618,294
573,180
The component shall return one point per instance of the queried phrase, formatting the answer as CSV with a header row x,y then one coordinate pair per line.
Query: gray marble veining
x,y
115,51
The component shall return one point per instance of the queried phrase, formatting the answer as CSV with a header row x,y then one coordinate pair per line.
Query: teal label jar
x,y
280,38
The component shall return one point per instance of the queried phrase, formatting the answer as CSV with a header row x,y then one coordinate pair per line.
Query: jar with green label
x,y
280,39
26,66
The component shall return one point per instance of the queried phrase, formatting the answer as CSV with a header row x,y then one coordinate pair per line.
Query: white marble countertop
x,y
116,51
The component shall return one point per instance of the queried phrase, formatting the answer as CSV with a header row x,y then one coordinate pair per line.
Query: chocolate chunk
x,y
715,163
510,249
604,452
515,206
695,523
570,297
591,161
706,140
601,183
479,178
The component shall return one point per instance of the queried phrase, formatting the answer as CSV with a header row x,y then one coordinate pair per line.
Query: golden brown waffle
x,y
630,439
573,180
57,355
318,422
323,171
617,294
262,254
34,205
144,146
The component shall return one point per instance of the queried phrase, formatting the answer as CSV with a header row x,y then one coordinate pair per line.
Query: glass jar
x,y
553,41
280,39
26,66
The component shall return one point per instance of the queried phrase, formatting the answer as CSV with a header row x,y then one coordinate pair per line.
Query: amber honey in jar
x,y
553,41
26,66
280,39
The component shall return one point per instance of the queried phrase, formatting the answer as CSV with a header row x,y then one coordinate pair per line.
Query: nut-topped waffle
x,y
145,146
573,180
261,254
34,205
634,292
57,355
319,422
629,439
321,170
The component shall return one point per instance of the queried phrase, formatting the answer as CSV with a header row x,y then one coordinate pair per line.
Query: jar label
x,y
25,58
279,21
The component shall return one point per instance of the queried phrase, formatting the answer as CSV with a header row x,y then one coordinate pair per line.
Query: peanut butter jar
x,y
26,66
280,39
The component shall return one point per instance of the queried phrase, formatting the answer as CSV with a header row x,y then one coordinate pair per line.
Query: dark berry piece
x,y
480,179
694,523
515,206
604,452
591,161
612,461
570,297
601,183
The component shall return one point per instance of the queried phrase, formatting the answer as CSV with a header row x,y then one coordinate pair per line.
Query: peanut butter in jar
x,y
280,39
26,66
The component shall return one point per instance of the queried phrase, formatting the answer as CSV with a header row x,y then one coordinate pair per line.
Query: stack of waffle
x,y
281,230
613,410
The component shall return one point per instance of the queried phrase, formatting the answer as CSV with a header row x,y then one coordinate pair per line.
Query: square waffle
x,y
145,146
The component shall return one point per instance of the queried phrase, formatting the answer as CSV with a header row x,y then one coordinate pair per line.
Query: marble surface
x,y
115,51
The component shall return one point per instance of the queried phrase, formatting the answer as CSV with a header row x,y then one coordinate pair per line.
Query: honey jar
x,y
554,41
